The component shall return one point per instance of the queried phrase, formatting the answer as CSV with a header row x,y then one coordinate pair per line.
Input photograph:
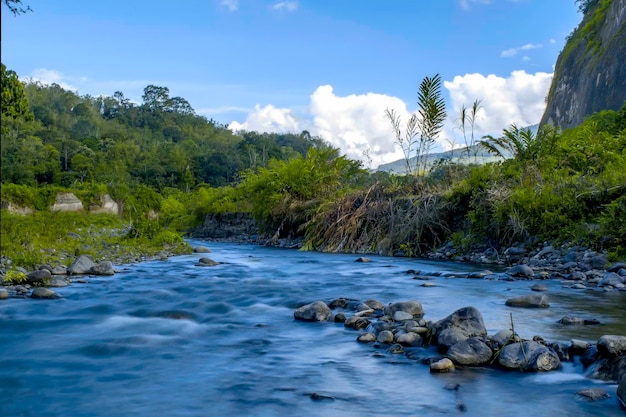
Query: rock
x,y
414,308
356,322
402,316
206,262
59,270
428,285
386,336
610,346
67,202
472,352
479,275
598,262
363,259
367,337
545,252
38,277
374,304
102,268
396,349
576,276
409,339
465,322
41,292
528,356
612,279
503,337
340,318
56,282
321,397
339,303
616,267
201,249
81,265
529,301
539,288
443,365
607,369
521,271
4,294
578,347
593,394
449,337
569,320
315,311
621,393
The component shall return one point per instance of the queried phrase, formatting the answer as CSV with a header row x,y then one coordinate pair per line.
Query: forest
x,y
160,157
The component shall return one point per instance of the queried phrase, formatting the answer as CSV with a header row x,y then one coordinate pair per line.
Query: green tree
x,y
14,100
16,7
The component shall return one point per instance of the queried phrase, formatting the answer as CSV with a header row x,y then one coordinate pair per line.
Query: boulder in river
x,y
593,394
41,292
521,271
529,300
201,249
528,356
315,311
441,366
204,261
472,352
612,279
102,268
621,392
4,294
611,346
414,308
464,323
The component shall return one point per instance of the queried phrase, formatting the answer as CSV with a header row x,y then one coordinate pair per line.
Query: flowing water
x,y
167,338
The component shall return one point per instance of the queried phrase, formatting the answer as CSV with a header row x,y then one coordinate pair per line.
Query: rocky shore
x,y
460,340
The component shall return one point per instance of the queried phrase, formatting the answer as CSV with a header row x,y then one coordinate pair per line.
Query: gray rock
x,y
315,311
521,271
59,270
621,393
479,275
528,356
612,279
386,336
204,261
374,304
503,337
38,277
4,294
363,259
598,262
467,320
367,337
340,318
356,322
41,292
102,268
610,346
576,276
569,320
414,308
529,301
57,282
201,249
472,352
402,316
545,252
593,394
450,337
539,288
81,265
409,339
441,366
616,267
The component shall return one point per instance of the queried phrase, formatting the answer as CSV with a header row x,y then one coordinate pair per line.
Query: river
x,y
168,338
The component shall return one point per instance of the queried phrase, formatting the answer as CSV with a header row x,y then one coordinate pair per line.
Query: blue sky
x,y
328,66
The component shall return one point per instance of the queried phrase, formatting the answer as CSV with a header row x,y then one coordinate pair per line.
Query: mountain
x,y
590,74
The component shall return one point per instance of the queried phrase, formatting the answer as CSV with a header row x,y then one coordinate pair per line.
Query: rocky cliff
x,y
590,73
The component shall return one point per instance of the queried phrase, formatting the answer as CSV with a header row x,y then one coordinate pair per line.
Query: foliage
x,y
422,127
13,276
16,7
14,101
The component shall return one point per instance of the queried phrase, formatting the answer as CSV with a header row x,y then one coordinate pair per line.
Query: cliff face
x,y
590,73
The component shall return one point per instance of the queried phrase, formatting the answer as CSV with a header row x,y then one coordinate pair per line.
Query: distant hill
x,y
459,156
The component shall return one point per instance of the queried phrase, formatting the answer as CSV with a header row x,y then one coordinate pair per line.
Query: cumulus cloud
x,y
47,77
230,5
356,123
511,52
519,98
289,6
269,119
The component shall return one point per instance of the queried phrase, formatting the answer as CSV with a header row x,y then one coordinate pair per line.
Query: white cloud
x,y
357,122
285,5
209,111
230,5
465,4
47,77
511,52
269,119
519,99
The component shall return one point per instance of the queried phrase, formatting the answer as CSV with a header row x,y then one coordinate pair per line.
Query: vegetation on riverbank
x,y
161,163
